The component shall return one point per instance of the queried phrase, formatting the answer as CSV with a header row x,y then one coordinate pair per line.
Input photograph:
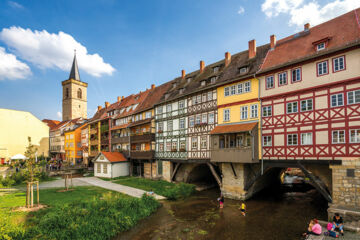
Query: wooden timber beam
x,y
217,178
175,171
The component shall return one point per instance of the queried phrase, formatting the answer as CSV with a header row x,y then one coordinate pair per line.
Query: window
x,y
266,111
227,91
270,82
174,146
203,83
243,70
161,126
306,139
213,80
181,104
292,107
353,97
182,145
204,118
182,123
98,168
159,110
355,136
161,147
306,105
105,168
211,118
337,100
209,96
296,75
320,46
194,143
233,90
181,90
159,167
338,136
338,64
191,121
148,114
254,111
226,115
194,100
198,99
203,142
292,139
322,68
79,93
247,86
168,108
216,69
243,112
204,97
168,146
240,88
198,119
170,125
282,78
267,141
67,93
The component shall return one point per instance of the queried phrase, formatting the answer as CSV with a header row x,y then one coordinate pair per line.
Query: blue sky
x,y
137,42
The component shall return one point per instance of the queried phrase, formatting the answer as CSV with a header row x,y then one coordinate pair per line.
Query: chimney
x,y
202,66
122,97
183,74
119,99
152,86
307,27
107,104
227,59
272,41
99,108
252,48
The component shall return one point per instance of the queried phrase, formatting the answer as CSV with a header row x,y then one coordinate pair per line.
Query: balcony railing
x,y
93,131
116,140
94,142
142,154
234,155
148,137
93,153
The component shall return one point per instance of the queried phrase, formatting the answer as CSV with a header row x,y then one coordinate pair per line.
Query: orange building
x,y
73,148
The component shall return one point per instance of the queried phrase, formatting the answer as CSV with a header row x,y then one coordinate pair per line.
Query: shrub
x,y
8,230
179,191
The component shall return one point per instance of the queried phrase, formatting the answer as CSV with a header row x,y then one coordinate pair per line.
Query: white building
x,y
111,165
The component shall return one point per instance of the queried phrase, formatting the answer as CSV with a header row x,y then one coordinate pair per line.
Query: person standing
x,y
243,209
221,201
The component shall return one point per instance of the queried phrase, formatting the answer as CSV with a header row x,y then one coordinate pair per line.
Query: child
x,y
338,223
221,201
243,209
314,228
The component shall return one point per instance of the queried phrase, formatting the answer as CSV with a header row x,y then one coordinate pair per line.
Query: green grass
x,y
84,213
169,190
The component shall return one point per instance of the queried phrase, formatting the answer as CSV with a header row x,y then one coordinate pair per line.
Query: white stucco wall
x,y
121,169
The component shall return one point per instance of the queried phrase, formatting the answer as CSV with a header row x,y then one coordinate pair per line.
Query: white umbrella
x,y
17,157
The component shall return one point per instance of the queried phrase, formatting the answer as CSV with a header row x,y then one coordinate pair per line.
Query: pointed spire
x,y
74,73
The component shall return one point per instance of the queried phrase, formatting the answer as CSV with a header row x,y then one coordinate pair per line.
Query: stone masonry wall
x,y
167,170
233,186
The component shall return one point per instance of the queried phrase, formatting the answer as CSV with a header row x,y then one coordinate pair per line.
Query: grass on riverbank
x,y
171,191
85,213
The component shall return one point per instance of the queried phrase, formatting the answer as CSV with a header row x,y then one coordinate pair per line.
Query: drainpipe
x,y
261,141
252,145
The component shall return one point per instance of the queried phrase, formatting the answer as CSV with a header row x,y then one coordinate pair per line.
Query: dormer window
x,y
216,69
243,70
167,96
181,91
203,83
174,85
213,80
320,46
188,80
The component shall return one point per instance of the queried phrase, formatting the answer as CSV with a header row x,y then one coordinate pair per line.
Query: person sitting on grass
x,y
314,228
151,193
338,223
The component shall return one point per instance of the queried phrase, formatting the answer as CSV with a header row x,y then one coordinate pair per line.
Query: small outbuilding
x,y
111,165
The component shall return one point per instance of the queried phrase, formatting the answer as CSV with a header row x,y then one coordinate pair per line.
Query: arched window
x,y
79,93
67,93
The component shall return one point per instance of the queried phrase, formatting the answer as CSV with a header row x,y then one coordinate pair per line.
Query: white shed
x,y
111,165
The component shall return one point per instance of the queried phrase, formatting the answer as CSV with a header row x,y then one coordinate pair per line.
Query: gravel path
x,y
134,192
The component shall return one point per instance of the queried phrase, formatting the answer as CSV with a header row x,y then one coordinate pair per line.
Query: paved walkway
x,y
134,192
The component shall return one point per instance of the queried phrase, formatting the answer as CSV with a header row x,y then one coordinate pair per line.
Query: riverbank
x,y
82,213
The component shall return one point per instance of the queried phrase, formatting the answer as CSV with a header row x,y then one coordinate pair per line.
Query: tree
x,y
32,171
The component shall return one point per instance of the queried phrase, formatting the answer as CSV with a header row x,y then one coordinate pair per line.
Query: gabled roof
x,y
114,157
51,123
233,128
341,32
74,73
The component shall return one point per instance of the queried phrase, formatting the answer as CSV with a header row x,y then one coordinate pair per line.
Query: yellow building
x,y
15,128
73,150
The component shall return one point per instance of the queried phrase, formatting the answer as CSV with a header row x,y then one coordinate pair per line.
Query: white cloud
x,y
11,68
305,11
51,50
15,5
59,114
241,10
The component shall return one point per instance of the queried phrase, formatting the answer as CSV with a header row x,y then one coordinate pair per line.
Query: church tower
x,y
74,103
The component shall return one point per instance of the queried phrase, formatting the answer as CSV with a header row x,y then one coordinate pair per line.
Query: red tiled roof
x,y
341,32
51,123
114,156
233,128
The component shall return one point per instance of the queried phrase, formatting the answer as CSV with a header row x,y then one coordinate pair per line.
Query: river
x,y
277,213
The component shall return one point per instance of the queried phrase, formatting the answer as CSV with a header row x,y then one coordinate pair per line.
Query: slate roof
x,y
233,128
300,46
74,73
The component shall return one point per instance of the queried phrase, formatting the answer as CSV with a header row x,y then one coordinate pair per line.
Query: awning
x,y
233,128
18,157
